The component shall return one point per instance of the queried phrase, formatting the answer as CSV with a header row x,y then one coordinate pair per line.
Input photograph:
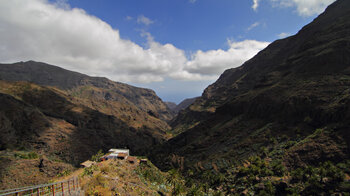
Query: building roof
x,y
88,163
116,149
113,150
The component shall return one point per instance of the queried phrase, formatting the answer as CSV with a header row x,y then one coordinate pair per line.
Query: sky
x,y
175,47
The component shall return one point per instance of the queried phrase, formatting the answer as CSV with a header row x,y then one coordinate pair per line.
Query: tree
x,y
176,182
97,156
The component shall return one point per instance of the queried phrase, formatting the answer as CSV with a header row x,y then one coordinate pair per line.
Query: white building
x,y
117,151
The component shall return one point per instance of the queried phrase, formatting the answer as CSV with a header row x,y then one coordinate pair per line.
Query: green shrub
x,y
297,175
150,173
97,156
64,173
278,168
269,188
175,179
26,155
88,171
195,190
33,155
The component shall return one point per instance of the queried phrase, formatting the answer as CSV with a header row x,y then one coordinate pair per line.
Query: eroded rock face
x,y
288,90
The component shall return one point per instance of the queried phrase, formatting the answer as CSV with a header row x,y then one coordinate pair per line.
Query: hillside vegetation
x,y
287,107
53,124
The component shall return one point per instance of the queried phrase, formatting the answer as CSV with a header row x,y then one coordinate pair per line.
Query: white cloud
x,y
252,26
283,35
144,20
214,62
255,4
192,1
40,31
304,7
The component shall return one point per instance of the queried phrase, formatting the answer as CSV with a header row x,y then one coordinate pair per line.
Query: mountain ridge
x,y
50,75
287,91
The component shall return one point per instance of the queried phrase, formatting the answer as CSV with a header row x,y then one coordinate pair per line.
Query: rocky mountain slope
x,y
179,109
171,105
50,122
182,105
291,102
93,89
67,117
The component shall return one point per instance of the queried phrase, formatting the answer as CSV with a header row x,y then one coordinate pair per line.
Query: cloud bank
x,y
71,38
304,7
216,61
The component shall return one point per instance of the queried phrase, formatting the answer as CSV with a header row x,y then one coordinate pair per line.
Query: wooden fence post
x,y
68,187
62,189
53,190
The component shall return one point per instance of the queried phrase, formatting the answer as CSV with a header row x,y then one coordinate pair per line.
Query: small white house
x,y
117,151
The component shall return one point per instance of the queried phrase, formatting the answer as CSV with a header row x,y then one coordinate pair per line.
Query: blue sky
x,y
202,25
175,47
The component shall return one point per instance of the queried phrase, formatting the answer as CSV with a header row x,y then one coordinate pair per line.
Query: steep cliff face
x,y
287,91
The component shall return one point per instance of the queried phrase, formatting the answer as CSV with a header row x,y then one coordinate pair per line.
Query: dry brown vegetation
x,y
115,177
22,168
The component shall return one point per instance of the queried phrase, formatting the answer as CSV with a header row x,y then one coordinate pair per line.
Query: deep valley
x,y
277,125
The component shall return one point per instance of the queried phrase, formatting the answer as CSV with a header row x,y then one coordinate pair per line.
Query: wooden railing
x,y
67,187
